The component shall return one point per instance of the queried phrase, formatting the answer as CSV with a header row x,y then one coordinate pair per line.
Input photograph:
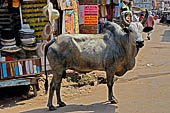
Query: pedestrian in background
x,y
141,17
149,25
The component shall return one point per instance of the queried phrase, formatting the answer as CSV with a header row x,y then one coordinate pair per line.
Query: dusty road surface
x,y
145,89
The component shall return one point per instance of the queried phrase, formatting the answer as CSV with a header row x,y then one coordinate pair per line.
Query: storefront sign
x,y
90,14
90,20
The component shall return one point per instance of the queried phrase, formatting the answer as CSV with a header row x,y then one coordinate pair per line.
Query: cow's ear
x,y
126,30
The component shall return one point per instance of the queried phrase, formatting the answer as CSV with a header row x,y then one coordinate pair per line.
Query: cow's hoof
x,y
61,104
113,101
52,108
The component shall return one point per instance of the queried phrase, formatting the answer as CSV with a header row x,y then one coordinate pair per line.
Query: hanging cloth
x,y
107,2
108,8
117,11
103,10
116,1
15,3
103,1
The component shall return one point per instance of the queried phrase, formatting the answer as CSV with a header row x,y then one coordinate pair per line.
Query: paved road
x,y
166,35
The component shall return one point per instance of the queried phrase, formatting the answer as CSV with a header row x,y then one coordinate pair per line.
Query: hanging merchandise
x,y
51,14
70,20
32,12
15,3
69,17
107,2
81,14
108,8
116,1
103,2
117,11
65,4
76,17
103,11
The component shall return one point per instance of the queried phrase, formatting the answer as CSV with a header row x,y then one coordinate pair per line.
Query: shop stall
x,y
19,36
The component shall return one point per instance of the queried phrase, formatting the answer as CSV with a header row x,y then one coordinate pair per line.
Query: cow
x,y
113,51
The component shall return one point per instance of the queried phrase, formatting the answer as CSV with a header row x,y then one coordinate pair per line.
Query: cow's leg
x,y
110,75
59,80
52,88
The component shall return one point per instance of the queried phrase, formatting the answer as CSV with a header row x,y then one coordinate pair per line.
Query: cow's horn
x,y
145,17
124,17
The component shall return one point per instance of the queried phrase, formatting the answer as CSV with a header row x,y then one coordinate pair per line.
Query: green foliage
x,y
81,80
85,80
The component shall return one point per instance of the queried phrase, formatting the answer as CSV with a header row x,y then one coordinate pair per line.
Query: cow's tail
x,y
45,54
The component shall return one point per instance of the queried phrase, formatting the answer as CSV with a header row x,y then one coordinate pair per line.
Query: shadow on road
x,y
10,96
166,36
72,108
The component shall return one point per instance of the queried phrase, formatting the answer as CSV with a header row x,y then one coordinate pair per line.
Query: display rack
x,y
20,68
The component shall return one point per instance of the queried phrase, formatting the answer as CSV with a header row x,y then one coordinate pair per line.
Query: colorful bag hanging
x,y
15,3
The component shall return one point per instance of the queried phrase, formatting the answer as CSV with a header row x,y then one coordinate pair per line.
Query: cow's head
x,y
134,31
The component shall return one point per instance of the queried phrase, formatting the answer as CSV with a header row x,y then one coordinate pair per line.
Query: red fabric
x,y
9,58
141,18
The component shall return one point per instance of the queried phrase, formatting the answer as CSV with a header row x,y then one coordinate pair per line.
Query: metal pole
x,y
21,15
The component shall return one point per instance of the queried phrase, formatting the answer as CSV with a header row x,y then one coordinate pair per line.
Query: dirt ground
x,y
145,89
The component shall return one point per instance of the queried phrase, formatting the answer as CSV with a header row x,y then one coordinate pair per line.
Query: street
x,y
145,89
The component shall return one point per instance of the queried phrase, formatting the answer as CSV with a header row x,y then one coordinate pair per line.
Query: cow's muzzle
x,y
139,44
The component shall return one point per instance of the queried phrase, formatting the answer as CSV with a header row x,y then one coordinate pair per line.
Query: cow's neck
x,y
130,52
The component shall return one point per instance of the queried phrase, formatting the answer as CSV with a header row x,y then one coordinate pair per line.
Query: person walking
x,y
149,25
141,17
